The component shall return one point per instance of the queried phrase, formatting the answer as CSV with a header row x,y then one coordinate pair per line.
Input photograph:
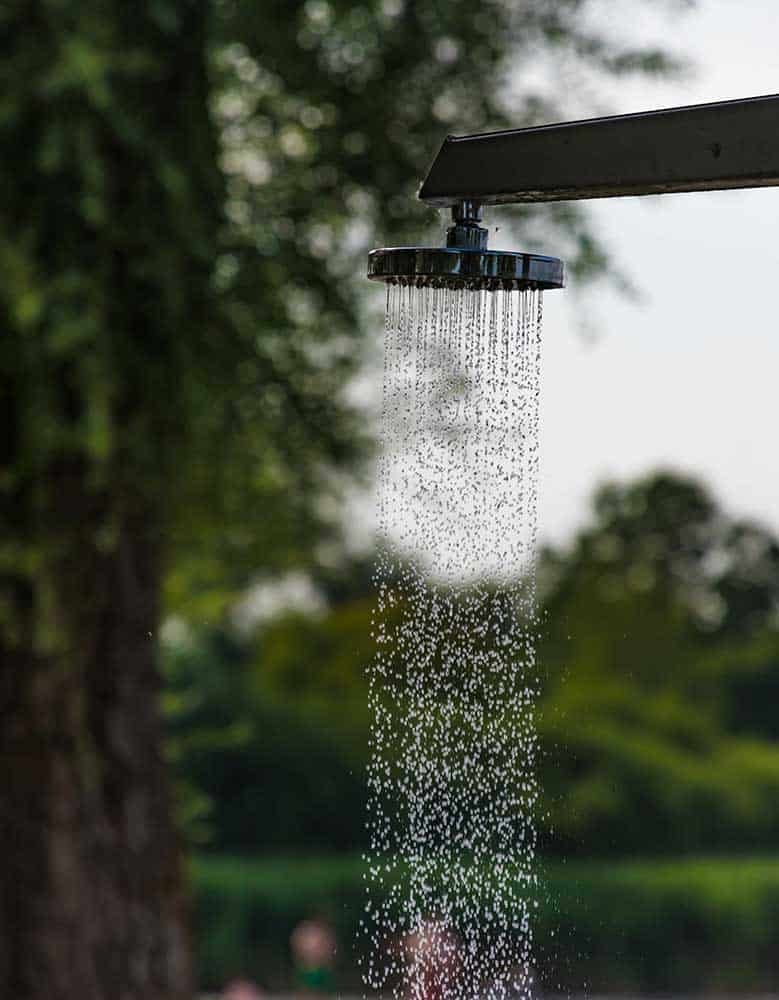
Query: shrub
x,y
685,924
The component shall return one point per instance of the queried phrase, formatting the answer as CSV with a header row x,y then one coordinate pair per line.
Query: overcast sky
x,y
687,378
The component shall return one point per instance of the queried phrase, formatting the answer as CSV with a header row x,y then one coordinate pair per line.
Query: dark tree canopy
x,y
666,534
329,114
657,724
660,641
188,190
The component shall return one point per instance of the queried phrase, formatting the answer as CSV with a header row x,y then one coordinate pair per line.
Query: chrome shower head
x,y
465,261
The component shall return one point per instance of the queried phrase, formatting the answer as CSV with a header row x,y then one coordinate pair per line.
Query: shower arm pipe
x,y
703,147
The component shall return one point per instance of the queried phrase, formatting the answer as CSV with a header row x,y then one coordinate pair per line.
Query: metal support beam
x,y
704,147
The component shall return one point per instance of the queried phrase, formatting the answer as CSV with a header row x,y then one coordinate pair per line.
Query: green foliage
x,y
189,191
318,660
651,613
700,924
666,538
109,213
655,720
258,767
206,718
245,911
328,114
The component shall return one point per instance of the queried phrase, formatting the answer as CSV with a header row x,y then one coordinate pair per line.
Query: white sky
x,y
688,377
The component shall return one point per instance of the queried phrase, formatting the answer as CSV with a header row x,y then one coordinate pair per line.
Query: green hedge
x,y
246,909
653,926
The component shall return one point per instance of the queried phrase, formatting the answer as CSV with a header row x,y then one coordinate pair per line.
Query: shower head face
x,y
455,267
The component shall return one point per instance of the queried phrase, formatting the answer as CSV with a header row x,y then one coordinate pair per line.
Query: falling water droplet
x,y
451,880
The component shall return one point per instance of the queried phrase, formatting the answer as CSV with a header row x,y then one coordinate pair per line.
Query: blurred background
x,y
189,372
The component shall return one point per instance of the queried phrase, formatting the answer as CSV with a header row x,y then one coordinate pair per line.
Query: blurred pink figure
x,y
313,944
241,989
433,952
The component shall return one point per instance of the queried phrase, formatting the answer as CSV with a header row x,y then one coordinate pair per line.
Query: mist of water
x,y
451,882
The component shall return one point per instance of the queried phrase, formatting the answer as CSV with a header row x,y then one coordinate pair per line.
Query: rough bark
x,y
91,893
108,213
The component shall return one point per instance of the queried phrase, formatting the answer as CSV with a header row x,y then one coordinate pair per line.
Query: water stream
x,y
451,881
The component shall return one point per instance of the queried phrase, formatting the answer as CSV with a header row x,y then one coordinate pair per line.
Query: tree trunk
x,y
91,892
109,209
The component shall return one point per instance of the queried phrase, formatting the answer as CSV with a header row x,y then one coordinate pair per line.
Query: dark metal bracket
x,y
704,147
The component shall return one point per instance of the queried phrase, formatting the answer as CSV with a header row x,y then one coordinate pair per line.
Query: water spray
x,y
452,884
